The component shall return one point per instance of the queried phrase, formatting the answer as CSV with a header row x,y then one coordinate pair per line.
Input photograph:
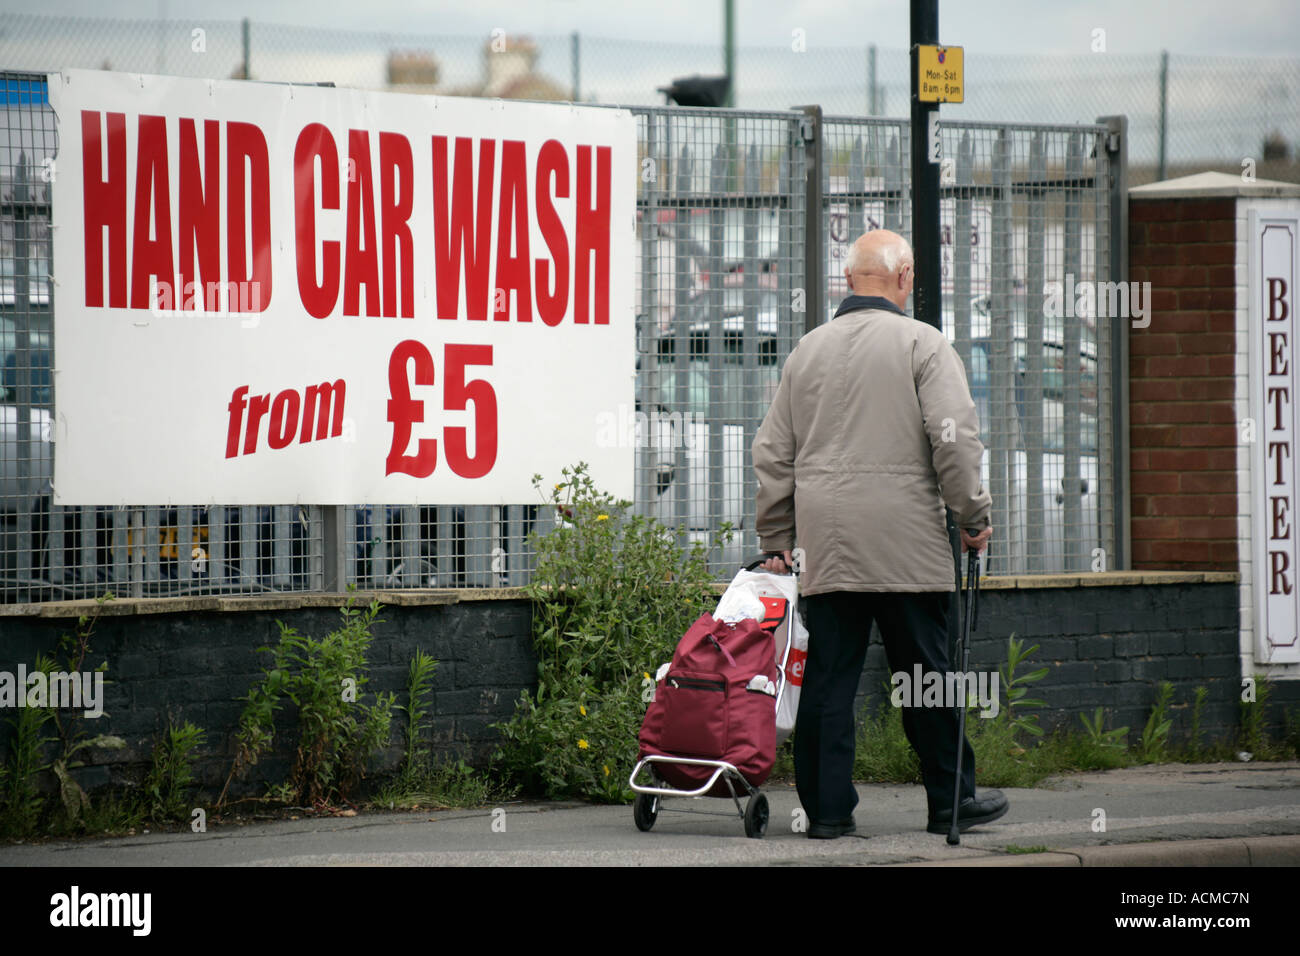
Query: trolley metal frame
x,y
755,812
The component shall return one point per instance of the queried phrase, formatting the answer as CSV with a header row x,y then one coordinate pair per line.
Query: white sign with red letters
x,y
272,294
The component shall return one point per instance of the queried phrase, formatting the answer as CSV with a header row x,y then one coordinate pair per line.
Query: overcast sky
x,y
1246,27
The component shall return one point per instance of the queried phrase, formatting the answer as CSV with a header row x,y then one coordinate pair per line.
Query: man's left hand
x,y
976,542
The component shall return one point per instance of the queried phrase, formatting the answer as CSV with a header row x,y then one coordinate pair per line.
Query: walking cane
x,y
972,593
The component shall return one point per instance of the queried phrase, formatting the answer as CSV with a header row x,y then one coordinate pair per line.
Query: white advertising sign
x,y
1273,257
272,294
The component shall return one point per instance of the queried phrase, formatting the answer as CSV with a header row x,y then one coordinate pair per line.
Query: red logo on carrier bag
x,y
775,612
794,667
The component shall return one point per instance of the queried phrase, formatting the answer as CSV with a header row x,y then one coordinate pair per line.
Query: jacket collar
x,y
855,303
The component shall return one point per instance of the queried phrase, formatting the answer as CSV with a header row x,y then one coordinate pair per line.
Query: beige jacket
x,y
871,432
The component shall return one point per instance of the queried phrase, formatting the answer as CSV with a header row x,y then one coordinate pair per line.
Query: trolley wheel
x,y
645,810
756,816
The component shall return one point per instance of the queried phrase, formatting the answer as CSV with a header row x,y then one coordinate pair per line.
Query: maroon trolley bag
x,y
717,702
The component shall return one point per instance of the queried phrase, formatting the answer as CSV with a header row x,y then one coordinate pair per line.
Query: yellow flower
x,y
646,675
559,486
602,517
582,745
582,710
606,766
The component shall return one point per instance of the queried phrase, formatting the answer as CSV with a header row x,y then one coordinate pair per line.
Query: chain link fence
x,y
1194,111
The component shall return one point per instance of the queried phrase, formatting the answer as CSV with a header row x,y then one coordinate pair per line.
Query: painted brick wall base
x,y
1106,646
1110,647
194,666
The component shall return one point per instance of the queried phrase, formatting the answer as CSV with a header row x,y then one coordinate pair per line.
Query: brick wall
x,y
1183,429
194,665
1108,639
1109,647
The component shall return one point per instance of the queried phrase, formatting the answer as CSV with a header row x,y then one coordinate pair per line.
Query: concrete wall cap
x,y
1211,185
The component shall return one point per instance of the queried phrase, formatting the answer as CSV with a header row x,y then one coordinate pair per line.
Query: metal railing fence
x,y
742,219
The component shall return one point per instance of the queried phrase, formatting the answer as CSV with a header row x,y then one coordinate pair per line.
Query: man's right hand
x,y
779,565
976,543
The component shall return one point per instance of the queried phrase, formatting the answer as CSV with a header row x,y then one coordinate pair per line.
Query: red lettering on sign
x,y
315,143
462,228
396,196
456,393
105,206
284,419
152,257
282,416
236,409
162,238
325,403
512,224
403,411
591,238
361,257
258,406
170,254
199,212
248,207
552,163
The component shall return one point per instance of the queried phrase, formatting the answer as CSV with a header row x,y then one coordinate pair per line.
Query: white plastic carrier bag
x,y
778,596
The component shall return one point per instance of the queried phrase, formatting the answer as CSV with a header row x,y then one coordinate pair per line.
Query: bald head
x,y
880,263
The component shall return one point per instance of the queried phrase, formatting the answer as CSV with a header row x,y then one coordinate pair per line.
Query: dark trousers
x,y
914,628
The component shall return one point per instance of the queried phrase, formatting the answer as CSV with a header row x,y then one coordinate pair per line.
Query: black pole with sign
x,y
927,292
926,304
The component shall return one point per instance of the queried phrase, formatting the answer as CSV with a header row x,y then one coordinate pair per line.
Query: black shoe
x,y
973,812
829,831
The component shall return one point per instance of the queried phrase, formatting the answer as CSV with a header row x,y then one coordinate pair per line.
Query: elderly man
x,y
872,431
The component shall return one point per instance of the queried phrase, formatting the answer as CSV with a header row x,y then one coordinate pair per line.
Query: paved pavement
x,y
1169,815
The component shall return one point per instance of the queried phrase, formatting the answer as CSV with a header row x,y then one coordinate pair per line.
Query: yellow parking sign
x,y
940,74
